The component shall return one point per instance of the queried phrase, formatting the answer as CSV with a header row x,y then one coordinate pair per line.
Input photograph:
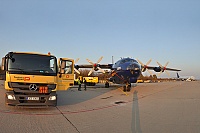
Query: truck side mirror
x,y
62,67
13,59
3,63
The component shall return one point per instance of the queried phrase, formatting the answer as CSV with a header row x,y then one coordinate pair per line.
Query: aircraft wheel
x,y
124,88
106,85
128,87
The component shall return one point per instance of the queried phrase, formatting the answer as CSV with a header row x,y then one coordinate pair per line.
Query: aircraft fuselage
x,y
126,70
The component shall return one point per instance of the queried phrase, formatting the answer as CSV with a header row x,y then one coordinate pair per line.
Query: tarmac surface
x,y
166,107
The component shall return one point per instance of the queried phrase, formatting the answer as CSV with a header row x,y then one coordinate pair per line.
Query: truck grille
x,y
31,87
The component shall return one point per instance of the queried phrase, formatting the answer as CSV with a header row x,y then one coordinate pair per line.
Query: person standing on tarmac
x,y
85,83
79,84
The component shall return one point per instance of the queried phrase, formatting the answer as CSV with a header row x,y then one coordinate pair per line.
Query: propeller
x,y
95,66
77,71
163,68
145,67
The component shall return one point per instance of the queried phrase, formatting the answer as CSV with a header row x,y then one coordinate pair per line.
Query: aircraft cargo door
x,y
65,76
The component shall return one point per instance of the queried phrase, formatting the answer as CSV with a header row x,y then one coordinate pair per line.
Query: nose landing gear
x,y
127,87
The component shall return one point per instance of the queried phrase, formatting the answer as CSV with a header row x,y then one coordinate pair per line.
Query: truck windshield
x,y
32,64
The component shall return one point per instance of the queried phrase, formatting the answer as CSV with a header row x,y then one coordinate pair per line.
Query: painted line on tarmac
x,y
123,92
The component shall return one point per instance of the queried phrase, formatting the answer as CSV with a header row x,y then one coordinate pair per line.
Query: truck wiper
x,y
41,71
17,69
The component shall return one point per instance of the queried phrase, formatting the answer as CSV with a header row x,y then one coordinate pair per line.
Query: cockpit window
x,y
122,61
125,60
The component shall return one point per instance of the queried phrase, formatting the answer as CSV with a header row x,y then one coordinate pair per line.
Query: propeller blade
x,y
99,59
76,60
140,62
95,66
159,73
101,70
145,67
149,72
148,62
77,71
163,69
159,64
166,64
167,73
91,71
90,61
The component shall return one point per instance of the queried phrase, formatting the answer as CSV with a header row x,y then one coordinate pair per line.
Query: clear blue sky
x,y
163,30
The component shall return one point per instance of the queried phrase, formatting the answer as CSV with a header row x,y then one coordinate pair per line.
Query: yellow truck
x,y
32,79
91,81
140,81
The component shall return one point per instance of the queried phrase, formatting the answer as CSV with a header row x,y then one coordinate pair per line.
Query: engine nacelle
x,y
157,69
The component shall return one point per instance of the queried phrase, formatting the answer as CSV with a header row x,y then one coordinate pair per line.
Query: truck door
x,y
66,73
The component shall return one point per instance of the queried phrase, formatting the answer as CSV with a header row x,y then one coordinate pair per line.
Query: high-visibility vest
x,y
79,82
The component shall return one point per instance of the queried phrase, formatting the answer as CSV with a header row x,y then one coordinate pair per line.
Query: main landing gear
x,y
107,84
126,87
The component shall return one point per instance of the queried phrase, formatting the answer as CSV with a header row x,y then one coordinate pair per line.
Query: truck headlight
x,y
11,97
52,98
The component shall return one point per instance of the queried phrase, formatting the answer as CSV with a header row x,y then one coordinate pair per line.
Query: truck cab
x,y
32,79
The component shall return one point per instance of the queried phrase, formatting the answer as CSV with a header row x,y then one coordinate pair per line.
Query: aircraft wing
x,y
171,69
154,68
159,68
83,66
104,66
95,67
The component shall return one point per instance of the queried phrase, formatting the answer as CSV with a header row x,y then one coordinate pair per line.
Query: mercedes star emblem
x,y
33,87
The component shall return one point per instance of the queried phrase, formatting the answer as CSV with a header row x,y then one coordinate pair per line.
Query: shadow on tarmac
x,y
135,125
73,96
